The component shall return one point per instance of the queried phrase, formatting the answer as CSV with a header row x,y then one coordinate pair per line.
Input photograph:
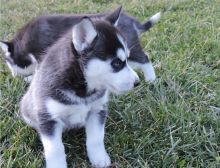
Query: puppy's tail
x,y
150,23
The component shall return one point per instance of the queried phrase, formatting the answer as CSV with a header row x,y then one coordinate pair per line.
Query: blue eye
x,y
117,64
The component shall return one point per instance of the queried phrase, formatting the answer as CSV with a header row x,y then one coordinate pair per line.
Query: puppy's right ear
x,y
83,34
113,17
6,46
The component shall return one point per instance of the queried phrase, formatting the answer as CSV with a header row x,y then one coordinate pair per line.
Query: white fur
x,y
69,115
5,50
15,69
33,59
12,68
149,72
18,71
28,79
117,83
116,22
121,54
54,149
99,75
83,34
76,115
124,44
95,142
4,47
147,68
72,115
74,98
155,18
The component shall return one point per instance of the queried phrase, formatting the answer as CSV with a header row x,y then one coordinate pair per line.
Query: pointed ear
x,y
5,46
83,34
114,16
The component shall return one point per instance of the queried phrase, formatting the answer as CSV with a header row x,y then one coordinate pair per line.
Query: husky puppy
x,y
70,87
27,48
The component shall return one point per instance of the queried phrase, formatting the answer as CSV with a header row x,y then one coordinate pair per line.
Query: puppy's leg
x,y
139,60
147,68
95,140
53,147
28,79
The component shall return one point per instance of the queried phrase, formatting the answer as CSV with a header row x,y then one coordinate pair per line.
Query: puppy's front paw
x,y
28,79
100,159
149,73
150,78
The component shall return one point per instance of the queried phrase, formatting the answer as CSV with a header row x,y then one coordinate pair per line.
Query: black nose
x,y
136,83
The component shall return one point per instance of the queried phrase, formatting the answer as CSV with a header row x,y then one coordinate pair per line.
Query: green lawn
x,y
174,123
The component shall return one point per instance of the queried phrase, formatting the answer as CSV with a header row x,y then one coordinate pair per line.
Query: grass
x,y
172,124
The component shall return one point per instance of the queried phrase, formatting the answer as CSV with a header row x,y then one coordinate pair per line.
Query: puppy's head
x,y
104,52
18,62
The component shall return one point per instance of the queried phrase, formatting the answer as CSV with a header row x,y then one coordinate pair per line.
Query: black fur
x,y
70,76
39,34
103,115
62,70
90,97
67,75
46,125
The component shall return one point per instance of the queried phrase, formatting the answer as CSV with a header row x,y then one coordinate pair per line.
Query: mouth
x,y
117,91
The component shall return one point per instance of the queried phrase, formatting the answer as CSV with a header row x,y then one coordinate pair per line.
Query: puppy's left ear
x,y
113,17
83,34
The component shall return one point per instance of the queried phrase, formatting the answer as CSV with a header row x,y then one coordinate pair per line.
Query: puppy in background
x,y
27,49
70,87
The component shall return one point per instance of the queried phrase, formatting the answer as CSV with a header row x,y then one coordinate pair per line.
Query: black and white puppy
x,y
26,49
70,87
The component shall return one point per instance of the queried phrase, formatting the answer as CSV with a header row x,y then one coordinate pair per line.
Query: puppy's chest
x,y
74,115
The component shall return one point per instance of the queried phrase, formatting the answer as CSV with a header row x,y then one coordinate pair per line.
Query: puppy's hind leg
x,y
140,60
51,137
